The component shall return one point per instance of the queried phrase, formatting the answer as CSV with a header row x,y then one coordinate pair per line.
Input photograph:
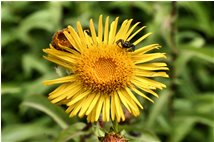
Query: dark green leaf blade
x,y
41,103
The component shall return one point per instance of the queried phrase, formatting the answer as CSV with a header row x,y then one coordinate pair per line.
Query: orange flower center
x,y
105,69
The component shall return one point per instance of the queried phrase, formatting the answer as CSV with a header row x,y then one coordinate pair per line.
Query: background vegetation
x,y
183,113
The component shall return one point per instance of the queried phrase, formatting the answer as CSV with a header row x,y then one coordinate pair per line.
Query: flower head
x,y
106,76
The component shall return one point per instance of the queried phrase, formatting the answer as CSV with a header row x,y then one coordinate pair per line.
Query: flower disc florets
x,y
106,69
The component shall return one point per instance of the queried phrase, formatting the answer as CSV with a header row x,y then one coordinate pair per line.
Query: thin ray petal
x,y
136,33
93,103
107,108
81,35
130,30
119,110
71,40
142,38
93,32
76,109
103,111
86,105
148,57
106,30
133,97
65,79
99,107
150,74
145,49
61,63
113,29
141,94
78,97
130,101
120,34
113,109
100,29
124,100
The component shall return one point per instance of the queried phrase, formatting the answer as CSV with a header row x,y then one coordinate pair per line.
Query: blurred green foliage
x,y
183,113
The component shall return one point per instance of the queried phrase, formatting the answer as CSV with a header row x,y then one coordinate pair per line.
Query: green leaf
x,y
211,136
36,86
145,136
181,62
204,53
157,108
30,62
47,19
10,89
43,104
193,38
8,35
24,132
181,127
73,131
201,18
203,108
8,14
98,131
187,87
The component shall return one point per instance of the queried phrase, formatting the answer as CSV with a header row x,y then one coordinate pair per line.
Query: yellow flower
x,y
105,76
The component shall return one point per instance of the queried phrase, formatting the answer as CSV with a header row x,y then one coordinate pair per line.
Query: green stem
x,y
115,125
174,53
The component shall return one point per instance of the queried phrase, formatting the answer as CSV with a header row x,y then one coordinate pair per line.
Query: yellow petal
x,y
57,91
123,29
107,108
119,110
112,32
130,30
86,104
150,82
69,109
76,108
150,91
148,57
133,97
59,98
113,109
100,29
81,35
93,32
130,101
74,90
141,94
136,33
124,100
65,79
103,111
106,30
79,97
116,104
145,49
93,115
71,40
152,66
140,83
142,38
99,106
67,89
61,63
150,74
93,103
